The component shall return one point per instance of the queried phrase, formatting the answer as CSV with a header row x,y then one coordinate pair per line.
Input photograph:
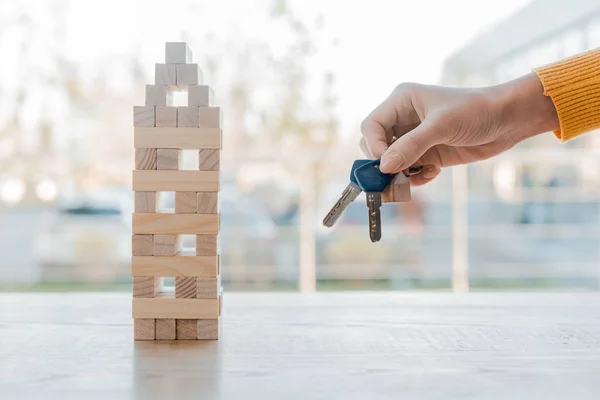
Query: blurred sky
x,y
369,45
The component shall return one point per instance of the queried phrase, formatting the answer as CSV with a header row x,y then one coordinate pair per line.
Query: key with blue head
x,y
372,181
349,194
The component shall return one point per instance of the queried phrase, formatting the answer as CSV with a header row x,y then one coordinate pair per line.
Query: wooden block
x,y
146,286
177,52
185,288
209,117
188,74
143,329
167,159
145,202
187,117
182,264
209,159
143,116
156,95
166,117
176,224
208,329
206,245
185,202
142,245
397,191
165,329
176,181
200,95
187,329
207,288
207,202
145,159
177,138
175,308
165,74
166,245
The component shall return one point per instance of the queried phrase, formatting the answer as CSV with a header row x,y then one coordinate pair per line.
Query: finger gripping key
x,y
372,181
350,193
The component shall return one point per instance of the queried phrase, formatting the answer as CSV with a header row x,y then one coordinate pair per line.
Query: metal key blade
x,y
350,193
374,206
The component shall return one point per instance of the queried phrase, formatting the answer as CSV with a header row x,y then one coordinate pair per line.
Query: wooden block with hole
x,y
207,202
200,95
209,159
185,202
177,53
165,329
166,245
145,159
142,245
143,329
166,117
397,191
144,116
206,245
188,74
168,159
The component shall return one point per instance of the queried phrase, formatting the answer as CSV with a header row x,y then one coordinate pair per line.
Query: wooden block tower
x,y
161,131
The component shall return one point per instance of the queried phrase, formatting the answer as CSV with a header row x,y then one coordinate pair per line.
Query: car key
x,y
372,181
348,196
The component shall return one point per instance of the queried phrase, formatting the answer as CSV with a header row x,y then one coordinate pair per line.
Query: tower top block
x,y
177,53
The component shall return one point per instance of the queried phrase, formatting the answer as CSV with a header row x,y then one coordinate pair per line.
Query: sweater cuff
x,y
573,84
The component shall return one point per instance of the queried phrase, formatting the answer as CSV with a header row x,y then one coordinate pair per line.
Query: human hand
x,y
438,127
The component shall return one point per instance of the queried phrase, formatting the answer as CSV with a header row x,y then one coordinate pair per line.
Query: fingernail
x,y
390,162
429,173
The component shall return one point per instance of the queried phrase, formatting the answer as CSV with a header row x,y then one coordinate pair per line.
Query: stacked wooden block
x,y
161,132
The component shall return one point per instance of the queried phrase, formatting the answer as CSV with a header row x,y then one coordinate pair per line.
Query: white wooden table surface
x,y
320,346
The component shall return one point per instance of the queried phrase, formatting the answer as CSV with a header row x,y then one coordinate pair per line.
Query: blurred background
x,y
294,79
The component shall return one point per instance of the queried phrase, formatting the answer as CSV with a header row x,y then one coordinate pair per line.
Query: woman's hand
x,y
438,127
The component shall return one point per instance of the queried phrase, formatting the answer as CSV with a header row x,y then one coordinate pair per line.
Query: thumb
x,y
408,148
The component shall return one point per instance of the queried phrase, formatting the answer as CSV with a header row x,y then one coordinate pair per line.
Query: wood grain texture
x,y
176,308
166,117
209,159
166,245
327,345
142,245
206,245
189,74
210,117
143,116
177,138
176,181
156,95
187,329
208,288
185,288
177,53
200,95
145,159
397,191
207,202
184,224
208,329
186,202
165,74
167,159
145,286
144,202
143,329
187,117
178,265
165,329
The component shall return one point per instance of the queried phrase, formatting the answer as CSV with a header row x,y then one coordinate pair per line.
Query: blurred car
x,y
85,241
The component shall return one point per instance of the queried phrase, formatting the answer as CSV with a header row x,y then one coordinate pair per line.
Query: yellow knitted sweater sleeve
x,y
573,84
